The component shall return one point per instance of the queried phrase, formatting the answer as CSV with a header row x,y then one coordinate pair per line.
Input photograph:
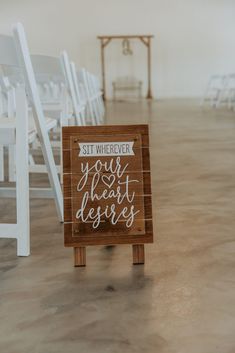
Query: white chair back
x,y
49,76
47,65
77,86
93,96
8,54
78,106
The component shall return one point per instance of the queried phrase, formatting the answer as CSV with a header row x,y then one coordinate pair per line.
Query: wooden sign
x,y
107,188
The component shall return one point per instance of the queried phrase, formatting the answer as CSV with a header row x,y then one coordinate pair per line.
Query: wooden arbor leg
x,y
138,254
149,93
80,256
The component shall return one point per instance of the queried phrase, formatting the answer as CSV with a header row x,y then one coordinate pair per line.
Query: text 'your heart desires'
x,y
106,193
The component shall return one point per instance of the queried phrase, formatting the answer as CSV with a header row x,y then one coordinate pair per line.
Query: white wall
x,y
193,38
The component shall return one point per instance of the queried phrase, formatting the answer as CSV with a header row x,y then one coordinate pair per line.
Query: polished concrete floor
x,y
183,299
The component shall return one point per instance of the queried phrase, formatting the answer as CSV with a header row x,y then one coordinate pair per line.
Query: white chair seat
x,y
31,136
50,124
7,127
7,131
52,106
96,95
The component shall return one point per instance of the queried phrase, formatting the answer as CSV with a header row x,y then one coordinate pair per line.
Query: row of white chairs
x,y
220,90
56,77
38,95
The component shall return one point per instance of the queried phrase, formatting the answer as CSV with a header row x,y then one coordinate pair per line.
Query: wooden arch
x,y
145,39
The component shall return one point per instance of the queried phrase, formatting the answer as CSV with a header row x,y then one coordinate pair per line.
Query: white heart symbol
x,y
108,180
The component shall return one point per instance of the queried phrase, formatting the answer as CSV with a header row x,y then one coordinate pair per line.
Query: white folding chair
x,y
14,131
9,89
3,110
227,94
231,94
96,96
214,89
99,93
79,90
54,97
78,105
81,76
52,86
93,96
39,118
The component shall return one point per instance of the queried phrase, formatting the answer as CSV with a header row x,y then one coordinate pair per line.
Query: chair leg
x,y
96,113
91,112
31,159
11,163
1,163
22,175
64,120
84,117
99,108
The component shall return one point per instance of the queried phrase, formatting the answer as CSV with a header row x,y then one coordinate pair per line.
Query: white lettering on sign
x,y
114,186
95,149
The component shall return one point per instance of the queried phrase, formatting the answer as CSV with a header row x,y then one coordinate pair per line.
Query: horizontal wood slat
x,y
71,178
142,202
75,140
145,161
108,238
73,131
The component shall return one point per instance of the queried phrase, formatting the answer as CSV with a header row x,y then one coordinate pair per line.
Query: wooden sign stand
x,y
137,253
80,256
107,188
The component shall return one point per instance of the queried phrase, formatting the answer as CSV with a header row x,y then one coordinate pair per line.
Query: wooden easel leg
x,y
138,254
80,256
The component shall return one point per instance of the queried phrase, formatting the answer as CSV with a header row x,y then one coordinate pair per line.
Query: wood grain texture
x,y
144,203
138,254
145,160
79,233
74,140
80,256
107,237
73,131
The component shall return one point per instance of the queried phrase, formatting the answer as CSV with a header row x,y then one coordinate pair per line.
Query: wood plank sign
x,y
107,188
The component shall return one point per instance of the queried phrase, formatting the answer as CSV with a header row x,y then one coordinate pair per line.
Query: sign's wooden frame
x,y
82,240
